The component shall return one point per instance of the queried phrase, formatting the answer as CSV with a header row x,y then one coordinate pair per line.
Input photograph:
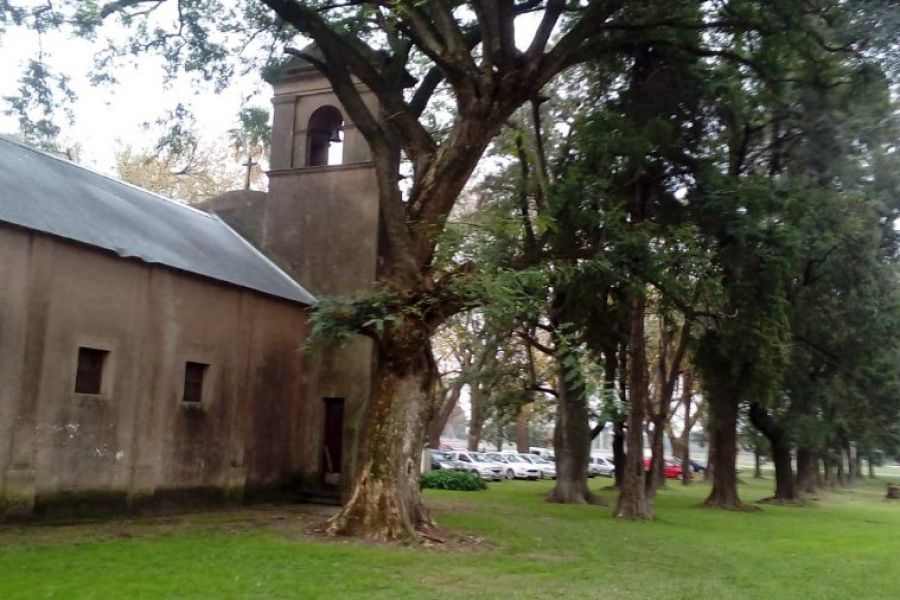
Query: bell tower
x,y
319,223
321,218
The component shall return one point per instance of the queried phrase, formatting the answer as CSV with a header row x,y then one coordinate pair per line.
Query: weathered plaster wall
x,y
319,224
136,442
243,210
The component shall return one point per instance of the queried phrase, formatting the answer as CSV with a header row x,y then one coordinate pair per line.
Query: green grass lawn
x,y
846,545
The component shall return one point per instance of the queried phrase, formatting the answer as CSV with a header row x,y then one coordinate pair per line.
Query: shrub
x,y
459,481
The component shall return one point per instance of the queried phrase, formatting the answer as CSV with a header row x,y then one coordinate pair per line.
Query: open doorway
x,y
333,440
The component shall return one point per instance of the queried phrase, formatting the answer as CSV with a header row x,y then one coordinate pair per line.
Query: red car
x,y
671,469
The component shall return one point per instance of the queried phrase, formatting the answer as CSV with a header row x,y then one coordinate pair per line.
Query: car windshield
x,y
481,458
497,457
439,455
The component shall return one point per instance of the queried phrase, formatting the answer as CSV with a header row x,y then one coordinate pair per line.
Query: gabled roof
x,y
47,194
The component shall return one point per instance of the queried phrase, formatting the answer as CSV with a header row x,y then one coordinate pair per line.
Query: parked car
x,y
671,468
547,468
515,467
484,462
542,452
443,460
600,465
697,467
479,465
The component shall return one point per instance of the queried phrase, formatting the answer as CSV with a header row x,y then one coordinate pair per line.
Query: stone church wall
x,y
137,442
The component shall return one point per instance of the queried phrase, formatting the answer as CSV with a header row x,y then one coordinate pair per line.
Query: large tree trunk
x,y
386,504
807,471
723,414
785,485
522,443
571,439
632,502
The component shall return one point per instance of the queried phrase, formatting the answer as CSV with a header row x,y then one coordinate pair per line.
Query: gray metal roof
x,y
44,193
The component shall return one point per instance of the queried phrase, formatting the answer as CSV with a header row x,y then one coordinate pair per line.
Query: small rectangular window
x,y
193,381
89,374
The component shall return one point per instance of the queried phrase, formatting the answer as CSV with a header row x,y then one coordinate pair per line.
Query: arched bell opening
x,y
325,133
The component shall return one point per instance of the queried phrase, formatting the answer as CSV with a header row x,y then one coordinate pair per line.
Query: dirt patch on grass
x,y
288,520
293,522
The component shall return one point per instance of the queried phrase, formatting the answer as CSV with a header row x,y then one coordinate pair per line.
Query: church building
x,y
152,353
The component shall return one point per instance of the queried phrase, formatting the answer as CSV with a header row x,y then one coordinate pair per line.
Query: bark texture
x,y
386,504
522,443
632,501
571,442
785,485
723,414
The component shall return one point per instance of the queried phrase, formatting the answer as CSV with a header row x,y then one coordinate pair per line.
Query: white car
x,y
515,466
548,468
600,465
479,465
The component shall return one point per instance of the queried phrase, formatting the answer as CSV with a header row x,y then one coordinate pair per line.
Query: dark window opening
x,y
89,373
193,382
326,140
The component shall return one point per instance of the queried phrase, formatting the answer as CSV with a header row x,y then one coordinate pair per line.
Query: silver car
x,y
479,465
547,468
600,465
515,466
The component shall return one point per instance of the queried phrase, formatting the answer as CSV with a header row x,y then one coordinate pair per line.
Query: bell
x,y
335,135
